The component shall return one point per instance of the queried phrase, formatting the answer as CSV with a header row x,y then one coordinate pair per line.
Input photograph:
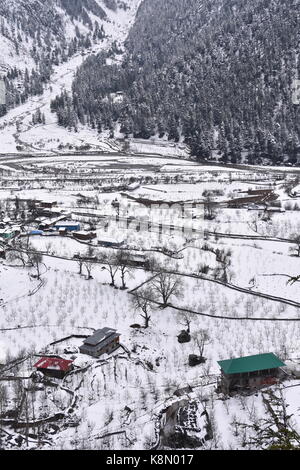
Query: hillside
x,y
218,75
28,124
37,35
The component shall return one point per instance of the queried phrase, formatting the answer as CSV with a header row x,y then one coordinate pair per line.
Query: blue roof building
x,y
67,226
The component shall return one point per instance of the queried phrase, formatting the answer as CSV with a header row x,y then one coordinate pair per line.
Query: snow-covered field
x,y
158,146
117,401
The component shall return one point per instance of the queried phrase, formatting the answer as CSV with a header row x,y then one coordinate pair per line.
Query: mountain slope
x,y
218,74
36,35
30,126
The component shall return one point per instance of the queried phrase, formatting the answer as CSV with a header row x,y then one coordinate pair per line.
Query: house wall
x,y
87,236
98,350
252,380
58,374
68,228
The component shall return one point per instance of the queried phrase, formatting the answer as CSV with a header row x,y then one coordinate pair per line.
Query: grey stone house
x,y
103,341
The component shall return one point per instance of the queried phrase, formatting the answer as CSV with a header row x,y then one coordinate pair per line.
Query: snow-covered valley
x,y
118,400
186,264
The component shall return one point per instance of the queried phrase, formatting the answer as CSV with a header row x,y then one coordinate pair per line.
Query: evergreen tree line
x,y
218,74
38,117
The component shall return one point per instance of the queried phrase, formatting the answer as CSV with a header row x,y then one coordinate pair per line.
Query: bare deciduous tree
x,y
296,239
35,258
209,207
202,339
187,323
143,300
89,266
166,285
14,256
80,265
89,263
111,267
122,259
224,258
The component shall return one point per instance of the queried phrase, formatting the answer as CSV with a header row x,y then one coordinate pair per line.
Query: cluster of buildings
x,y
45,214
248,373
264,200
52,219
103,341
244,373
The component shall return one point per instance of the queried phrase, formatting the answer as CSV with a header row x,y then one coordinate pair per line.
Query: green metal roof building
x,y
250,363
250,371
6,234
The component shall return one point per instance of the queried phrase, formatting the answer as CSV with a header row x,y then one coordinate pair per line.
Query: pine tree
x,y
276,431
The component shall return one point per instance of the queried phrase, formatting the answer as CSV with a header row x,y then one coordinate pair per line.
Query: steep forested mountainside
x,y
218,73
35,35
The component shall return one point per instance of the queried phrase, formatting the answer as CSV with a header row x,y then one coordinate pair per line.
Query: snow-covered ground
x,y
158,146
118,400
124,394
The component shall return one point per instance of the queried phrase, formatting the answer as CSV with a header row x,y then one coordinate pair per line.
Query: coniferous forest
x,y
38,29
218,75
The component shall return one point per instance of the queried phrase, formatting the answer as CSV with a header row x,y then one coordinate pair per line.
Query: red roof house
x,y
54,366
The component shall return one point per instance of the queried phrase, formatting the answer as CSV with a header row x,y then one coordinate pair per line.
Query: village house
x,y
138,260
275,209
35,232
42,212
54,366
47,223
6,234
110,242
133,186
42,203
48,204
103,341
85,235
67,226
249,372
